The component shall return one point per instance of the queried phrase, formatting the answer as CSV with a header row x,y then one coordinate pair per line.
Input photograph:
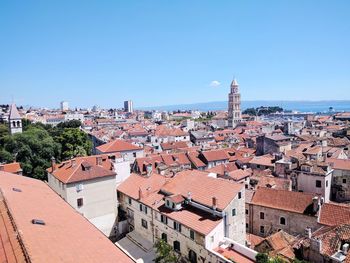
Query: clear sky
x,y
172,52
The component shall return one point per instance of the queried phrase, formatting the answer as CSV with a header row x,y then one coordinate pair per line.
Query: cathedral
x,y
234,105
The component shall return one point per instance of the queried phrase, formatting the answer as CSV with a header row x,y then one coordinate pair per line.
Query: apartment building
x,y
88,184
193,212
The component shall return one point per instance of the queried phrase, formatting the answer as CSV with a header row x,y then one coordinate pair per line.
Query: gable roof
x,y
117,146
296,202
215,155
83,169
203,188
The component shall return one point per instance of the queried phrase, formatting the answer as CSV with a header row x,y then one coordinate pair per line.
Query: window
x,y
282,221
262,229
177,246
262,215
130,202
233,211
239,195
318,183
165,237
134,154
344,181
144,223
177,226
326,183
164,219
192,234
145,209
80,202
246,225
167,203
141,207
246,212
192,256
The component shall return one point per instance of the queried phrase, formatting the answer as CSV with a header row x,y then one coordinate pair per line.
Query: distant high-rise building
x,y
128,106
64,106
15,120
234,105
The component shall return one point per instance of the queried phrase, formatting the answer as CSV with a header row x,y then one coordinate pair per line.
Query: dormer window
x,y
174,202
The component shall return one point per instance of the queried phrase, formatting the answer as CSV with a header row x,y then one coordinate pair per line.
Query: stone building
x,y
192,212
272,210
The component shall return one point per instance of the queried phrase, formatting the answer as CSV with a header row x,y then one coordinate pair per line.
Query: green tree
x,y
262,258
33,149
74,143
165,253
69,124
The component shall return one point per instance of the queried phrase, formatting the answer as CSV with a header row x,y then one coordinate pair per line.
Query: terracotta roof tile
x,y
334,214
117,146
66,236
296,202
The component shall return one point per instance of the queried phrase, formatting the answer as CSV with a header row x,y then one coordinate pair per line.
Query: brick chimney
x,y
73,162
214,202
140,193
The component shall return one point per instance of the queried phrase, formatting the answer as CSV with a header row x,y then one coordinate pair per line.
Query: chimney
x,y
99,160
189,196
214,202
140,193
315,204
308,232
53,163
73,162
345,248
149,169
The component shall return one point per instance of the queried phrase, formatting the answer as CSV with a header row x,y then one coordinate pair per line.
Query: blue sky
x,y
170,52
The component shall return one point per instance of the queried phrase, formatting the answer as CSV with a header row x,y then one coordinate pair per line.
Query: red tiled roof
x,y
11,167
66,236
215,155
193,156
82,169
117,146
240,174
173,145
339,164
203,188
334,214
148,185
296,202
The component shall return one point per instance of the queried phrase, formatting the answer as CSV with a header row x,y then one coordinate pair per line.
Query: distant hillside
x,y
303,106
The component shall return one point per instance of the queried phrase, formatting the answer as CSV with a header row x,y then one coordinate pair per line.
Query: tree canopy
x,y
262,110
38,143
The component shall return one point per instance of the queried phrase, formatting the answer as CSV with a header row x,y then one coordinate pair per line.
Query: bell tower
x,y
15,120
234,105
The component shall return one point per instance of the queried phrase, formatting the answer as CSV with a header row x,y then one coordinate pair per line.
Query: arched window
x,y
18,124
192,256
282,220
165,237
13,124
